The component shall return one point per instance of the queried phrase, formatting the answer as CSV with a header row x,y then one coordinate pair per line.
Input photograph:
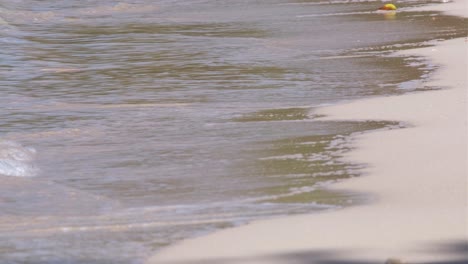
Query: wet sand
x,y
416,179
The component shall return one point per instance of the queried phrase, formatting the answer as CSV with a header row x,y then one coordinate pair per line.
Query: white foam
x,y
17,160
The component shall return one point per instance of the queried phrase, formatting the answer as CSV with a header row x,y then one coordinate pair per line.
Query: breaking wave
x,y
17,160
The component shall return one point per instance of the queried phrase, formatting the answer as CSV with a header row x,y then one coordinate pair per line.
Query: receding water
x,y
126,126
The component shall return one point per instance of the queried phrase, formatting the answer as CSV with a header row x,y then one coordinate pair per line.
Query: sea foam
x,y
17,160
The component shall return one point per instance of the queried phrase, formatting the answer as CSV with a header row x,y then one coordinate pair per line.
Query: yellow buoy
x,y
388,7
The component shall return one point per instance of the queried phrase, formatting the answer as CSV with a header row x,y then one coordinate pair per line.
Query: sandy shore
x,y
418,176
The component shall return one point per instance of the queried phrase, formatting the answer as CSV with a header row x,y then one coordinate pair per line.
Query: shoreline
x,y
419,184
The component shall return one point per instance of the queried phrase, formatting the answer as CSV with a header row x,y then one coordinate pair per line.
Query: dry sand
x,y
417,175
450,7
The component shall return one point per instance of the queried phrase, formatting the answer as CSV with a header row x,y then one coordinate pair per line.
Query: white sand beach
x,y
416,176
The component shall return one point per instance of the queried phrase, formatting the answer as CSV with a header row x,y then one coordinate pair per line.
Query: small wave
x,y
118,8
337,14
16,160
166,217
331,2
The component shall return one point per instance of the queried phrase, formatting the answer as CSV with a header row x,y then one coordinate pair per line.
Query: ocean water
x,y
126,126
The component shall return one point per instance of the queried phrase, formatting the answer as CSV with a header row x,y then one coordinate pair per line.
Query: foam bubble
x,y
16,160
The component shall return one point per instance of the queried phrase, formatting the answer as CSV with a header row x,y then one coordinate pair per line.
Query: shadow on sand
x,y
458,250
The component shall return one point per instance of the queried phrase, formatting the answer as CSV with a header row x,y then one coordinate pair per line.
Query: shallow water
x,y
127,126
